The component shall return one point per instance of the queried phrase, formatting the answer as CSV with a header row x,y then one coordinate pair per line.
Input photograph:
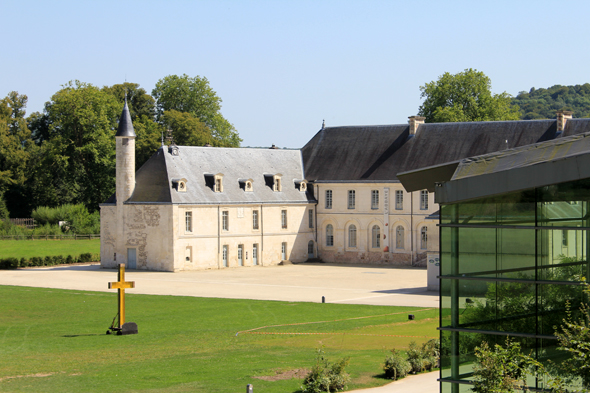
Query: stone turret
x,y
125,138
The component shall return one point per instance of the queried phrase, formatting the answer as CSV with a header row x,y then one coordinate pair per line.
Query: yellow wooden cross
x,y
121,285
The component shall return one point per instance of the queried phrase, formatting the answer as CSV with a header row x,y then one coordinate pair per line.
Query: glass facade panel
x,y
509,266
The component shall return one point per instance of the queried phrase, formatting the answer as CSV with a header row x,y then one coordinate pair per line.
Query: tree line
x,y
66,154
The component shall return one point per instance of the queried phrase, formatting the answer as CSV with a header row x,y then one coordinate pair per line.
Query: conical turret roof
x,y
125,124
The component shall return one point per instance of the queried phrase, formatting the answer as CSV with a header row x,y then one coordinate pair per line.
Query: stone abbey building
x,y
338,199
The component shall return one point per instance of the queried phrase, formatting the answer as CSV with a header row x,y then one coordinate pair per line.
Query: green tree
x,y
140,103
195,96
543,103
80,150
187,129
15,145
148,139
465,96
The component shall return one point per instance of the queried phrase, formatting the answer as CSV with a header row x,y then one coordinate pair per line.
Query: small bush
x,y
24,262
326,376
69,259
431,354
396,366
86,257
415,358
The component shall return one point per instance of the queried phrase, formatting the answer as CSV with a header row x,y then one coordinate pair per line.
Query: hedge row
x,y
12,263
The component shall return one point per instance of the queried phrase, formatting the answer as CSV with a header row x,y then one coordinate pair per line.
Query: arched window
x,y
329,235
423,238
352,236
375,237
399,237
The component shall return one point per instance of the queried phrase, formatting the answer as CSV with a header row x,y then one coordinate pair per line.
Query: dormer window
x,y
277,187
301,185
246,184
274,182
214,182
179,184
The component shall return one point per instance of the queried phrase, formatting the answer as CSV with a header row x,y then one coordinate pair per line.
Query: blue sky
x,y
281,67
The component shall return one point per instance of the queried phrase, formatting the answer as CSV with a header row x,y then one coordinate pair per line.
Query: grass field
x,y
41,248
54,341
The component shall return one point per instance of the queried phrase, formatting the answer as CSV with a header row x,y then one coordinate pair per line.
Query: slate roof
x,y
378,153
155,179
125,125
526,167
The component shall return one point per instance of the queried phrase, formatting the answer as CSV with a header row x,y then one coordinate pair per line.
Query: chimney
x,y
562,118
415,121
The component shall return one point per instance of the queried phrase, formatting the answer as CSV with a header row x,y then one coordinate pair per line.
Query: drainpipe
x,y
261,236
411,228
218,238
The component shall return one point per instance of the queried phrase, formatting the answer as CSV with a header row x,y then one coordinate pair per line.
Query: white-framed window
x,y
188,221
351,199
310,218
310,251
248,186
328,199
284,219
399,237
423,200
374,199
255,254
352,236
225,255
240,255
424,238
277,187
564,239
255,222
399,200
218,183
189,254
376,237
329,235
284,251
225,220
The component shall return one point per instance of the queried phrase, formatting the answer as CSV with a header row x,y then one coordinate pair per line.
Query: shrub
x,y
396,366
325,376
69,259
431,354
415,358
86,257
24,262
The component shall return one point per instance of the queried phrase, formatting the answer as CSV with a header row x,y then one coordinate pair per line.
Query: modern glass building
x,y
514,238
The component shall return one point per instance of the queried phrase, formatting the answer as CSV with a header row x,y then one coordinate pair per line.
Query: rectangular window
x,y
188,220
399,200
225,256
351,199
225,220
310,218
255,254
564,237
255,219
375,199
423,200
241,255
284,251
328,199
284,219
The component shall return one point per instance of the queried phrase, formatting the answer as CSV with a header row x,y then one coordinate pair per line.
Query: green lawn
x,y
54,341
41,248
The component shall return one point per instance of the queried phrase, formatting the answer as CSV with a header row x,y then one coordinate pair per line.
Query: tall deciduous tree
x,y
15,142
195,96
82,123
140,103
465,96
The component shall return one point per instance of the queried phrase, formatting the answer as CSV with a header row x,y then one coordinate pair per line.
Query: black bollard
x,y
323,299
249,388
411,317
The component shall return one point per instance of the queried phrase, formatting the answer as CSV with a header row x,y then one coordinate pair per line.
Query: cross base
x,y
127,328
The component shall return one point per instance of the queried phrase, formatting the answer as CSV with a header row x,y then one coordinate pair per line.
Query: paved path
x,y
421,383
375,285
302,282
